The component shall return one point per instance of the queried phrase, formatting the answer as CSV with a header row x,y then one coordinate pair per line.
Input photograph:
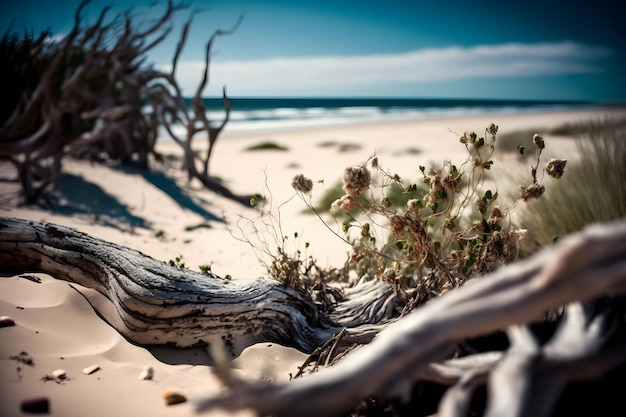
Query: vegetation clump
x,y
592,191
448,228
267,146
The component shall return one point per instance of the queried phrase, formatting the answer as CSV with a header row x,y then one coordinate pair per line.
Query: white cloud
x,y
324,74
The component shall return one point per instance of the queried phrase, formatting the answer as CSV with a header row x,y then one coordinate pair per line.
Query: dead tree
x,y
87,98
171,108
155,303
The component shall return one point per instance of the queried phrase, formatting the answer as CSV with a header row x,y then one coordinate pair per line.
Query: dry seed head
x,y
430,199
302,184
532,192
502,248
555,167
356,256
481,205
345,203
451,183
495,216
413,205
356,180
538,141
397,224
389,275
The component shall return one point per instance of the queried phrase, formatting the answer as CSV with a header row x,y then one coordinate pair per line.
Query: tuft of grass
x,y
267,146
203,225
412,151
327,144
349,147
177,262
581,129
331,194
592,189
513,141
341,147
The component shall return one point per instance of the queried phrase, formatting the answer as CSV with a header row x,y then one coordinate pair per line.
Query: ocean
x,y
254,115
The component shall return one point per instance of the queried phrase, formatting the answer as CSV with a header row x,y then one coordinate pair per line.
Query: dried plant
x,y
450,230
285,256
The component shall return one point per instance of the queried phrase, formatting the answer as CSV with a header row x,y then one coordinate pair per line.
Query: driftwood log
x,y
156,303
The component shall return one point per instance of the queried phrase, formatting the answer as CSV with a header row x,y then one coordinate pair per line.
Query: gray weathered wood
x,y
155,303
580,267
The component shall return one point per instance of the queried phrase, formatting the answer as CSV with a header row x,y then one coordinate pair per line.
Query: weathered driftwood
x,y
581,267
155,303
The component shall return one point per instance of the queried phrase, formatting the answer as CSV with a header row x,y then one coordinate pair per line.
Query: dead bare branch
x,y
582,267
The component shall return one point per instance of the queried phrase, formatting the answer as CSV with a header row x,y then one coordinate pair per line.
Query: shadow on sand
x,y
75,196
175,192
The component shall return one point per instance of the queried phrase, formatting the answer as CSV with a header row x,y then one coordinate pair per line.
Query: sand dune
x,y
56,327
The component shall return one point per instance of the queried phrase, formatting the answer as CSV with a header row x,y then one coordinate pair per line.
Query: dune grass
x,y
592,189
511,142
341,147
267,146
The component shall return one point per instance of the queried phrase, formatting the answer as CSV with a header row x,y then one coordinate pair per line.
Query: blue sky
x,y
553,50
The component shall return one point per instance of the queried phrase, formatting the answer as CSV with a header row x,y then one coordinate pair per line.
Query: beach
x,y
56,327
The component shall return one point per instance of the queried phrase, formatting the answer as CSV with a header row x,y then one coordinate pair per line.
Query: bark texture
x,y
525,380
155,303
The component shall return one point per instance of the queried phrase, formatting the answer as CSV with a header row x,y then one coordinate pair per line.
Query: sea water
x,y
258,115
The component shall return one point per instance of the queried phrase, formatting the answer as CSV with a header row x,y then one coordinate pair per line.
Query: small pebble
x,y
39,405
147,373
59,374
6,321
91,369
172,397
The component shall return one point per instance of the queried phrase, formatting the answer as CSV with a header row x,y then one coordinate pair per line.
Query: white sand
x,y
57,328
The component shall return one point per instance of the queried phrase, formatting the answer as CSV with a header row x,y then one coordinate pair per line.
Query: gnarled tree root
x,y
581,267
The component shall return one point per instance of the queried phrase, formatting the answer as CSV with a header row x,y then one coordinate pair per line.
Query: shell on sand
x,y
147,373
91,369
6,321
59,374
171,397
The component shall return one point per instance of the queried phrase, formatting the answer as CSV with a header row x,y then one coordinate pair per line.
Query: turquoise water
x,y
253,115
